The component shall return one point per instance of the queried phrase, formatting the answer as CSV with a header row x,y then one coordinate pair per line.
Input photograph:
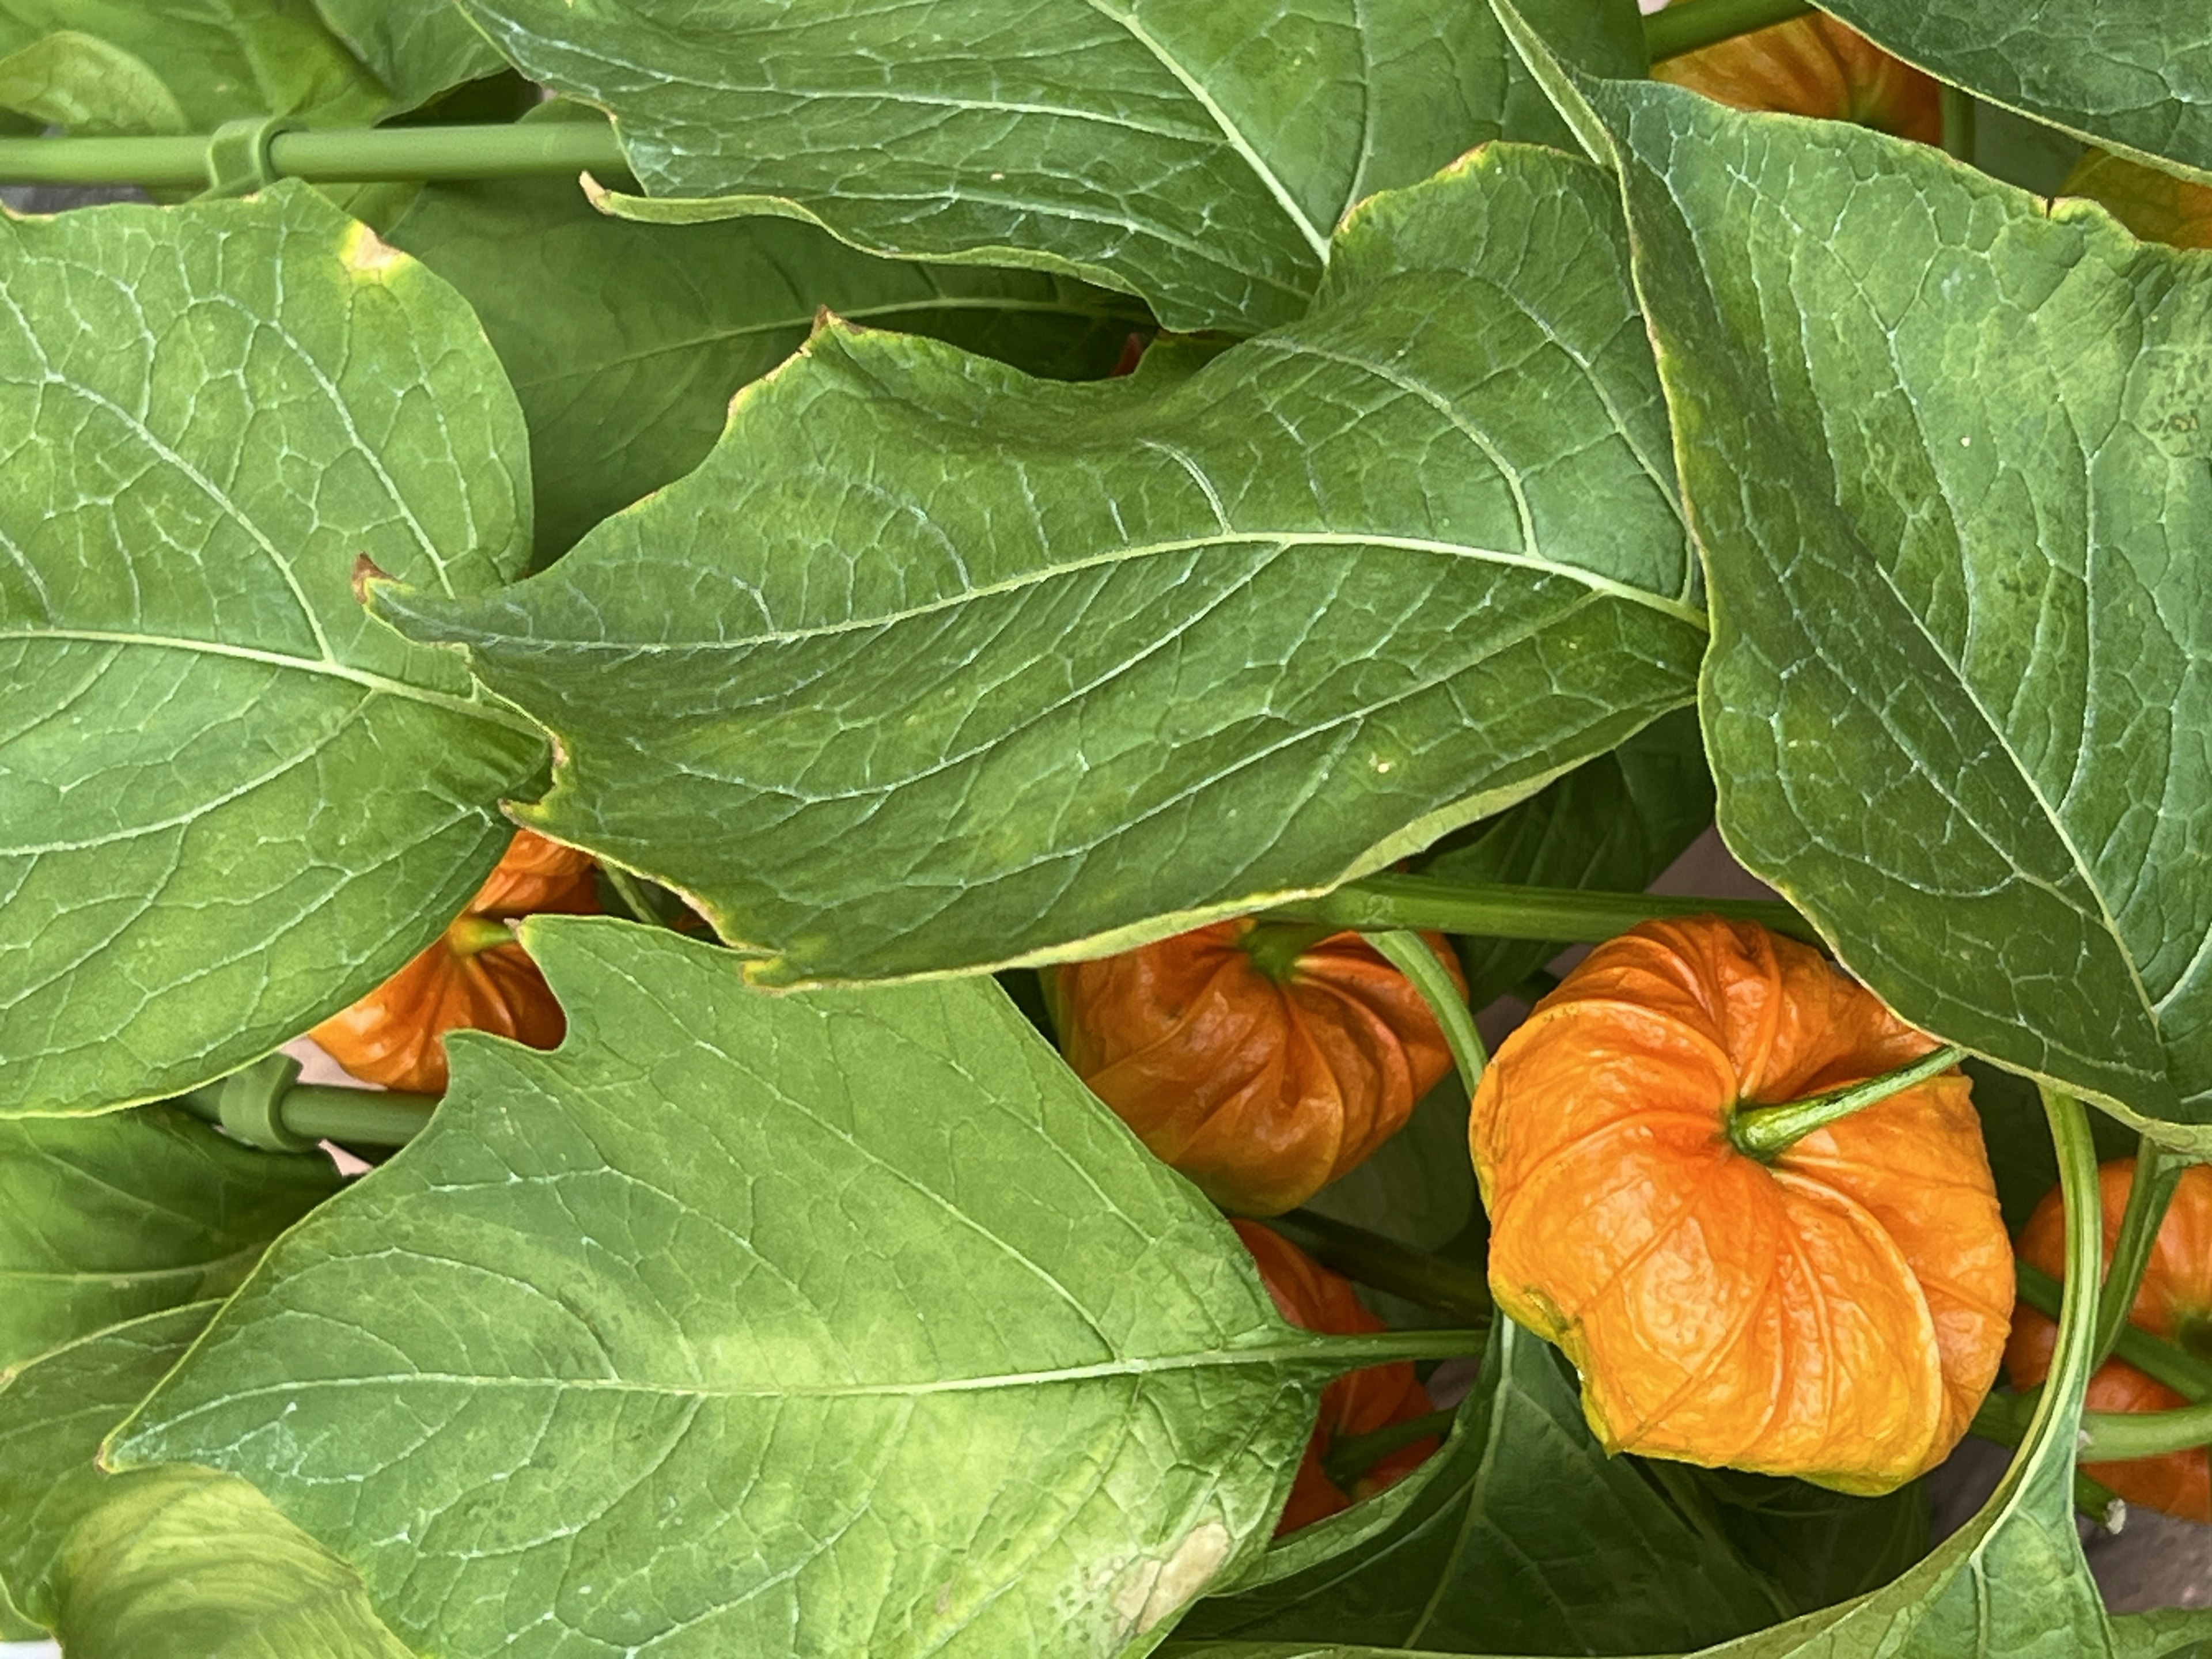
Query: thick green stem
x,y
2179,1369
1957,109
523,150
1384,1264
2158,1172
1701,23
1410,955
1276,946
1499,910
1766,1131
1355,1453
266,1106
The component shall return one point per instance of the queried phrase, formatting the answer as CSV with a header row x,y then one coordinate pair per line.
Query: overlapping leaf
x,y
103,1220
821,1324
1198,155
2133,74
1947,453
418,48
229,803
933,666
162,1564
625,342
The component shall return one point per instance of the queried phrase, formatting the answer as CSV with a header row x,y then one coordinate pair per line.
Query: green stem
x,y
1384,1264
295,1115
1766,1131
2158,1172
1500,910
522,150
1355,1453
2003,1418
1276,946
2179,1369
1412,956
1958,109
634,899
1701,23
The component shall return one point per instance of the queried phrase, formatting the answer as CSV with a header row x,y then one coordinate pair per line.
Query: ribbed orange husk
x,y
1814,66
1312,1298
2155,206
1835,1314
392,1036
1262,1093
2176,1291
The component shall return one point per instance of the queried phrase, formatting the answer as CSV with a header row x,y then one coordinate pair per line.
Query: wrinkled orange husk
x,y
2155,206
1836,1314
2177,1286
1312,1298
534,875
1814,66
1261,1093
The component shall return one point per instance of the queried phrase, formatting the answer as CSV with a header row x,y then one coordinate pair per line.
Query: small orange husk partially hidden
x,y
1814,66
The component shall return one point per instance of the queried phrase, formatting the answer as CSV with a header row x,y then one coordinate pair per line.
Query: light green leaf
x,y
105,1218
625,342
163,1564
1198,155
2133,74
1613,823
1946,455
84,83
931,667
744,1324
2163,1633
229,803
209,60
418,48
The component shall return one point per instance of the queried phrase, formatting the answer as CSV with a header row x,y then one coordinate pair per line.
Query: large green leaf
x,y
182,65
933,666
1198,155
418,48
2135,75
1943,451
625,342
1613,823
160,1564
1819,1547
229,803
1528,1539
745,1324
105,1218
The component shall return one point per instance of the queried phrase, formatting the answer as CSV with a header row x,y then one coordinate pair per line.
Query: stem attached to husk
x,y
1766,1131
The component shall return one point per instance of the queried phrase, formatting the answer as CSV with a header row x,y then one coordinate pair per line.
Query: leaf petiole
x,y
1504,910
2158,1172
1413,956
1351,1456
1382,1263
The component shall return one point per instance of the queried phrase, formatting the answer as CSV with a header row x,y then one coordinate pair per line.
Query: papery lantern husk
x,y
2173,1303
1815,66
1261,1087
2153,204
1312,1299
1836,1314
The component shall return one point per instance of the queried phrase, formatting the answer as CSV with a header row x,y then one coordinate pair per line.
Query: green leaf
x,y
1528,1539
229,803
2019,1140
204,63
105,1218
163,1564
2133,75
1946,464
845,1322
1198,155
1613,823
1418,1186
418,48
625,342
933,666
84,83
1820,1547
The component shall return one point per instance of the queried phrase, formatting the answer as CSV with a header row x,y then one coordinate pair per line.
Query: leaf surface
x,y
2135,75
816,1324
105,1218
930,667
229,803
1198,155
418,48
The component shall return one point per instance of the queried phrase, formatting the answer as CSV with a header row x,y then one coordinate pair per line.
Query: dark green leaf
x,y
821,1324
1198,155
1527,1539
165,1564
418,48
625,342
2019,1140
105,1218
1419,1187
1820,1547
933,666
2133,75
229,803
1947,456
1613,823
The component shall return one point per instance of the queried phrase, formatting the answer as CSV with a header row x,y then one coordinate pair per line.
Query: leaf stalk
x,y
528,150
1382,1263
1413,957
2158,1172
1383,903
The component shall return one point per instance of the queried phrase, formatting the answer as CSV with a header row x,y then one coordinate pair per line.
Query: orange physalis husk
x,y
1814,66
1261,1082
476,976
1836,1314
2175,1304
1312,1298
2155,206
